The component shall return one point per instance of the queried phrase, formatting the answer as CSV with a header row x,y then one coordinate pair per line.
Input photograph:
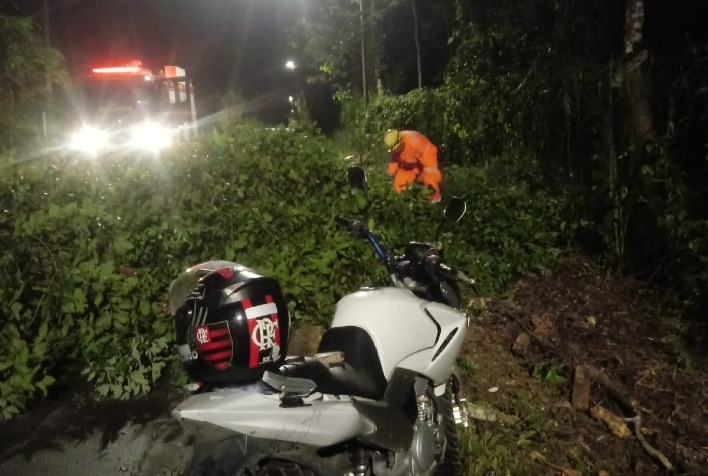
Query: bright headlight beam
x,y
150,136
89,140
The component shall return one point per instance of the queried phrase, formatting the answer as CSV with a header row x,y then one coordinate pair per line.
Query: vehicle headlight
x,y
151,137
88,140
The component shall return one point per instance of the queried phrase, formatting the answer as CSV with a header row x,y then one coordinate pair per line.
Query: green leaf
x,y
45,383
139,378
135,352
117,390
42,332
16,309
240,243
103,323
122,244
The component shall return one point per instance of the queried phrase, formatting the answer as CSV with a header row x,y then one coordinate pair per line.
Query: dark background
x,y
242,45
224,45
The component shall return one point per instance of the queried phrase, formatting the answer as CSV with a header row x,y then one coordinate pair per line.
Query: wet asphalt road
x,y
158,448
75,434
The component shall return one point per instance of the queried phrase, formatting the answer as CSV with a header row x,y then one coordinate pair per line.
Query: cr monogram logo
x,y
263,334
202,335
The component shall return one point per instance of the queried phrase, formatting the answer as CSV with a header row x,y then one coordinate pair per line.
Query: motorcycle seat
x,y
360,375
334,379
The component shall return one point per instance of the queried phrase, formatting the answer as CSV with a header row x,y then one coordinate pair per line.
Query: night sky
x,y
222,44
242,44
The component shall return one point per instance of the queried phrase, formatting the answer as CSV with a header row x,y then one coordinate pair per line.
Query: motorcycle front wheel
x,y
451,465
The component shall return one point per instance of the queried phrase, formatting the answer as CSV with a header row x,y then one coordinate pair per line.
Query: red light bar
x,y
132,67
119,70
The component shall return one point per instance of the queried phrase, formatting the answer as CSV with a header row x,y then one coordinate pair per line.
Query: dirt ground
x,y
562,365
552,375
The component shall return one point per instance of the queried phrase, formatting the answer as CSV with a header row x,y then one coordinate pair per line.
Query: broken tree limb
x,y
630,404
564,471
542,343
582,381
653,452
586,374
479,412
615,423
618,392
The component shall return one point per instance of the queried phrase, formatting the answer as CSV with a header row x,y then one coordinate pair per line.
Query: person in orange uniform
x,y
413,156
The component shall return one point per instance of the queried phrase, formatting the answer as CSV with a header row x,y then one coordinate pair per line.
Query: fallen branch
x,y
615,423
564,471
478,412
542,343
656,454
620,394
630,404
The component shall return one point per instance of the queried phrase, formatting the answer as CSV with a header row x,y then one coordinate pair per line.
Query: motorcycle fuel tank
x,y
408,331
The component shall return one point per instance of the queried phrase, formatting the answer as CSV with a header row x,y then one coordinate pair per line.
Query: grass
x,y
487,450
493,449
468,365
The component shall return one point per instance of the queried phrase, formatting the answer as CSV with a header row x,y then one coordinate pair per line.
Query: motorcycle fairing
x,y
407,331
394,318
439,361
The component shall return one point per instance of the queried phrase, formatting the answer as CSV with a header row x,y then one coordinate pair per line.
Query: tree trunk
x,y
363,52
417,44
630,89
376,45
634,80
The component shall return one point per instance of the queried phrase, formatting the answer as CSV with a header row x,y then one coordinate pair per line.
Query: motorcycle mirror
x,y
356,178
455,209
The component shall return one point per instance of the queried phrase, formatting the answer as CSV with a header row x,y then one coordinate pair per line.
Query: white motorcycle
x,y
381,397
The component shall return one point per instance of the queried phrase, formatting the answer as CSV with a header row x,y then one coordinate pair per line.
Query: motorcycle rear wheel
x,y
284,467
241,456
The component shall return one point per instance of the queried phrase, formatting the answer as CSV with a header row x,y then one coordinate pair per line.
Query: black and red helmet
x,y
232,326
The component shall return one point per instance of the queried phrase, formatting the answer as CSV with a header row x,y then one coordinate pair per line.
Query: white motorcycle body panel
x,y
322,422
407,331
438,362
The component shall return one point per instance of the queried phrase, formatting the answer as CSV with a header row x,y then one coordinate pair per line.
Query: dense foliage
x,y
92,246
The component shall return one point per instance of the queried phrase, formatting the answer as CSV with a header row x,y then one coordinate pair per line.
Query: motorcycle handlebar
x,y
355,227
436,266
342,221
432,261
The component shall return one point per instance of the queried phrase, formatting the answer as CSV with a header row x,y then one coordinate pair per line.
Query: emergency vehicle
x,y
130,107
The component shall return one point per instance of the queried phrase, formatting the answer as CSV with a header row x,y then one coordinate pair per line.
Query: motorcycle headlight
x,y
89,140
151,137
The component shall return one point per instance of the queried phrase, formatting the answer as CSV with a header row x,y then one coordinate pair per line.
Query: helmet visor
x,y
181,287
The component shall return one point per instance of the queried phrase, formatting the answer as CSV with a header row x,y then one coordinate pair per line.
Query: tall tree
x,y
27,64
417,44
377,45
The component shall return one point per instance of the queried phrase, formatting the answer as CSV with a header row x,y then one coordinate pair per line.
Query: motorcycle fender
x,y
319,422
